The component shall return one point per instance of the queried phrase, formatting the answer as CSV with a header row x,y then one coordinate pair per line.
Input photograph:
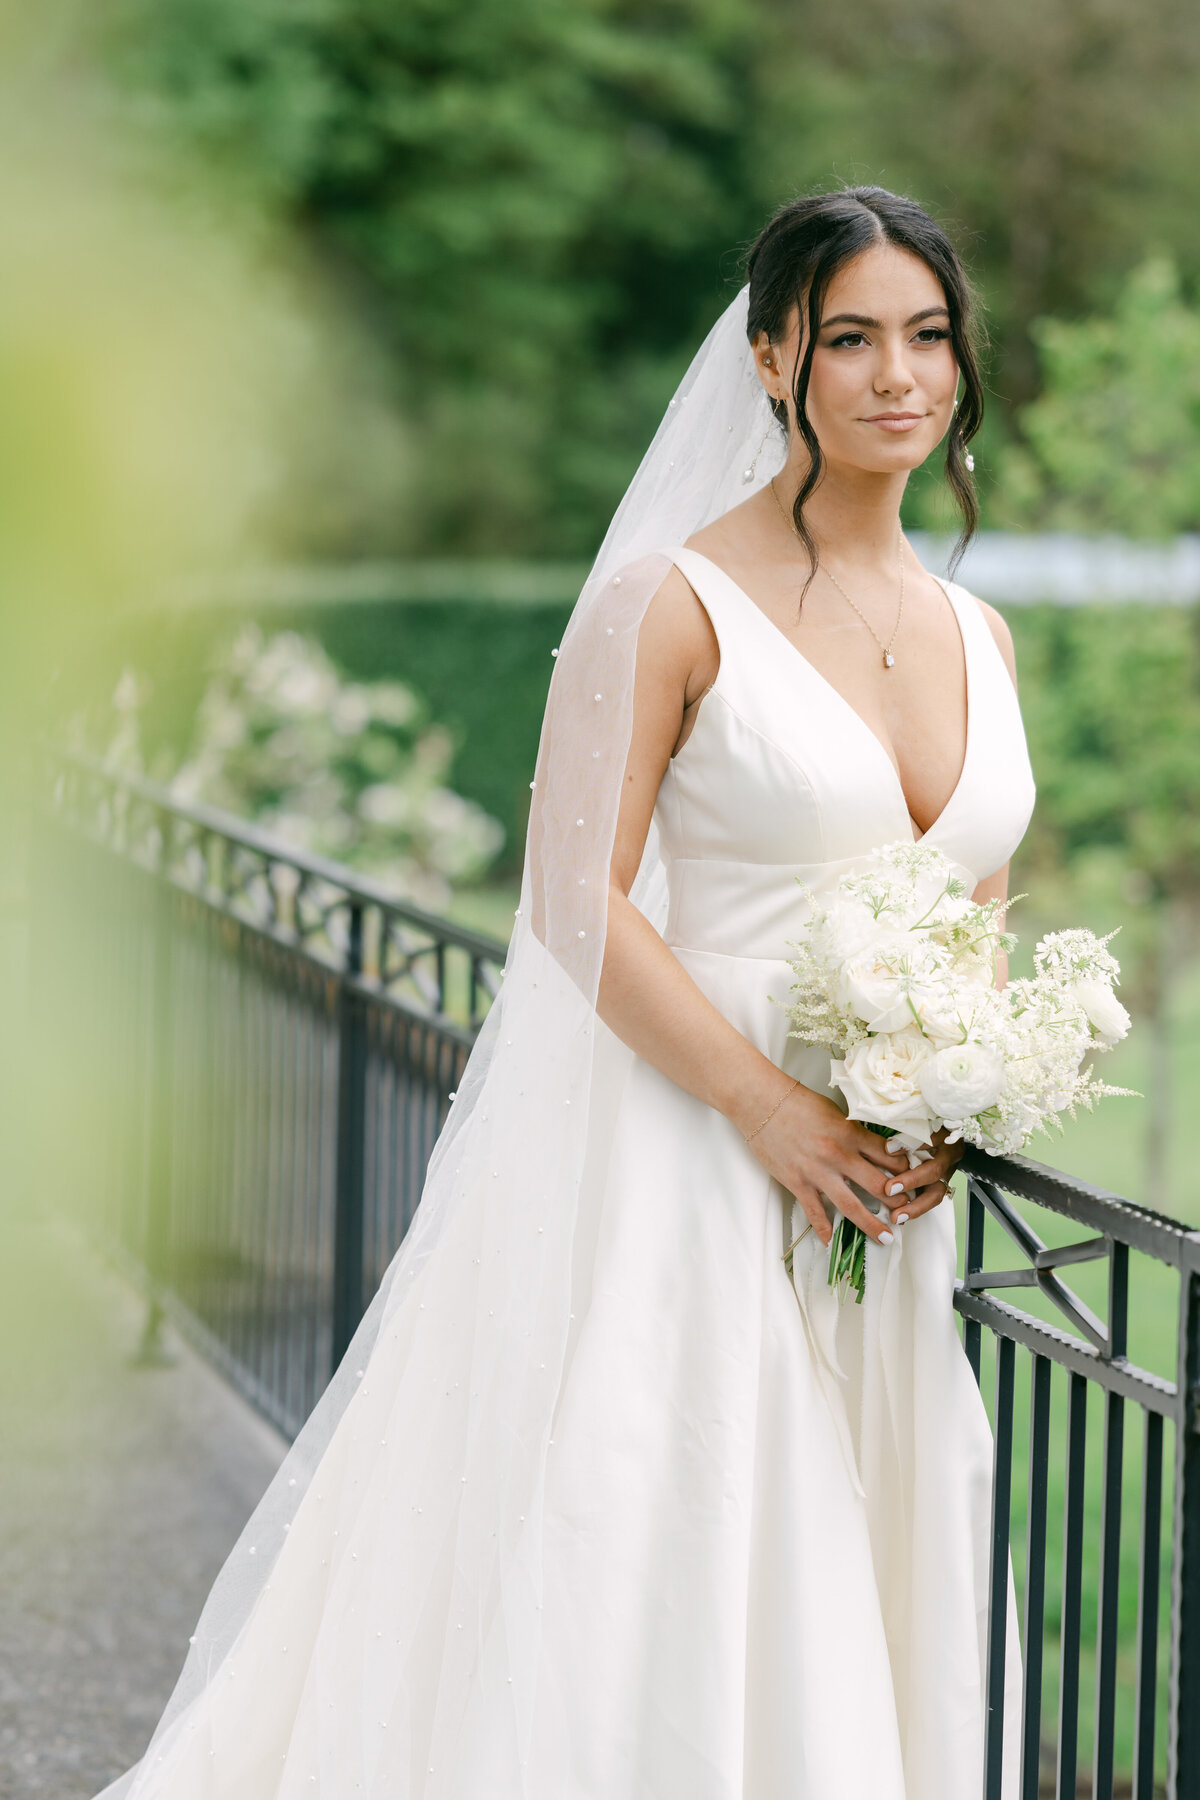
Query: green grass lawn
x,y
487,908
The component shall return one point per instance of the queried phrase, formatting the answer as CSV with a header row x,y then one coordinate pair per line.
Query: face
x,y
884,376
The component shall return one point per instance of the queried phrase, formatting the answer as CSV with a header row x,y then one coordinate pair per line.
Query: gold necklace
x,y
889,661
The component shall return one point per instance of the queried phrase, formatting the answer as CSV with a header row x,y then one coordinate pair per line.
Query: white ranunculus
x,y
880,1078
1106,1015
962,1080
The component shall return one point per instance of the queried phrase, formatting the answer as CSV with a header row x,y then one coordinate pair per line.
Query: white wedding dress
x,y
763,1560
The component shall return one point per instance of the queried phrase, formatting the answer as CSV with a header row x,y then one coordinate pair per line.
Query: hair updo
x,y
791,264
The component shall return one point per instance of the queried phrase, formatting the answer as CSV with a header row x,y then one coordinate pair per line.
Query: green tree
x,y
1111,700
516,192
1059,136
537,205
1112,696
1113,440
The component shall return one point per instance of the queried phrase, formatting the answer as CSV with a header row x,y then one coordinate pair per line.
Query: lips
x,y
895,421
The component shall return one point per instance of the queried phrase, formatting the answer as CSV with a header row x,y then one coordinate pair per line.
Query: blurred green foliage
x,y
522,196
536,206
1112,441
532,209
1111,701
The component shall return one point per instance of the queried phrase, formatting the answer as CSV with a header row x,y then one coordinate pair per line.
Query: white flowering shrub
x,y
350,770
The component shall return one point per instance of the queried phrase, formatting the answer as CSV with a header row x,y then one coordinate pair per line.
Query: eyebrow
x,y
930,312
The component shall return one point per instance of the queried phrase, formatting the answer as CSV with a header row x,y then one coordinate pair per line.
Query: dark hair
x,y
792,262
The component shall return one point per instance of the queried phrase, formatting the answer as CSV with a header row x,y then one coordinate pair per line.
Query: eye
x,y
930,334
847,338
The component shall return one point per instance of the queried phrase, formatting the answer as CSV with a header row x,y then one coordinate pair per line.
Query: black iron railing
x,y
252,1054
1100,1564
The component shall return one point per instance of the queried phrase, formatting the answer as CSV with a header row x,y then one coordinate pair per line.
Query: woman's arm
x,y
650,1001
995,887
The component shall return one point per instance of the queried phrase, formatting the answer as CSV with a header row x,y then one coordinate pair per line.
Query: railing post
x,y
1183,1742
993,1781
1035,1576
1072,1588
973,1263
1109,1624
351,1149
160,1077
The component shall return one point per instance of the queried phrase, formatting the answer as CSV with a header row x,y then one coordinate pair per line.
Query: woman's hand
x,y
813,1150
929,1182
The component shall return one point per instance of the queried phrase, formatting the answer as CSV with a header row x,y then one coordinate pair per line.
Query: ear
x,y
767,362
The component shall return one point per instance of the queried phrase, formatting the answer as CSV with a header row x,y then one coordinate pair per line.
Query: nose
x,y
894,375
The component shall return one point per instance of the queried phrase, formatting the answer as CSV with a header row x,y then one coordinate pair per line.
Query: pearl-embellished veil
x,y
437,1476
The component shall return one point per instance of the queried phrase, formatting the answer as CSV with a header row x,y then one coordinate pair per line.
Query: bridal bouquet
x,y
895,972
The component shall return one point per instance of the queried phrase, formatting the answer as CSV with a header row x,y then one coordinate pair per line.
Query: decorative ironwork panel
x,y
275,1043
1126,1705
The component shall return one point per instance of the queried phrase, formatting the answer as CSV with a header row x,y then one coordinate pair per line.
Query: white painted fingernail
x,y
895,1187
885,1237
900,1219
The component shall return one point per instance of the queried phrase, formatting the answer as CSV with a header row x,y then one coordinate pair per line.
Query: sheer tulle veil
x,y
430,1441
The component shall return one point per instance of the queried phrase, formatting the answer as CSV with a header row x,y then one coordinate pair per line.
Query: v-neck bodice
x,y
782,777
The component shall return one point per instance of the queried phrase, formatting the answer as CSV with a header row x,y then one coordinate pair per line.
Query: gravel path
x,y
121,1491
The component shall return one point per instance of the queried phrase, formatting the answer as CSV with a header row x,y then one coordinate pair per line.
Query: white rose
x,y
941,1022
880,1079
962,1080
873,986
1105,1012
956,1010
848,927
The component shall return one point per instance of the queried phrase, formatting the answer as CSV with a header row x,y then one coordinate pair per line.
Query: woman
x,y
601,1504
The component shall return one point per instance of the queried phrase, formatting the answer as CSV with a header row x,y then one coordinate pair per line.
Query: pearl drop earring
x,y
749,474
970,462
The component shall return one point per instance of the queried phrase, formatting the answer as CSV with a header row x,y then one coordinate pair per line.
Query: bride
x,y
603,1504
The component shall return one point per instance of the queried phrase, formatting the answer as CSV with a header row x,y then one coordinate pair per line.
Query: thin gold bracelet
x,y
773,1111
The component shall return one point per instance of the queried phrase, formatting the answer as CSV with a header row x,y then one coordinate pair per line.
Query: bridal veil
x,y
473,1319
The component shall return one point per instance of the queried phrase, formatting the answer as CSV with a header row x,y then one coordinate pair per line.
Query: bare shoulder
x,y
998,626
677,640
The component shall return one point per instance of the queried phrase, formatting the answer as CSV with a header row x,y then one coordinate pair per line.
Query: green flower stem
x,y
848,1245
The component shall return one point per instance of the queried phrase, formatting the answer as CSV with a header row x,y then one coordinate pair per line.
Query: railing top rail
x,y
358,889
1156,1234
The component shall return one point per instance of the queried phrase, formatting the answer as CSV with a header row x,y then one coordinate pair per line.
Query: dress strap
x,y
712,588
